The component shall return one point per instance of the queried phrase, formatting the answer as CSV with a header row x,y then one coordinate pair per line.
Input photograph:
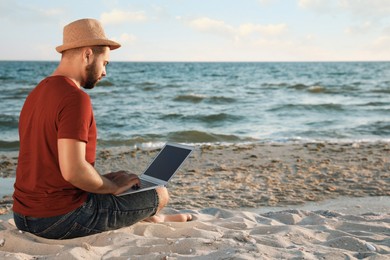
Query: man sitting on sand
x,y
58,193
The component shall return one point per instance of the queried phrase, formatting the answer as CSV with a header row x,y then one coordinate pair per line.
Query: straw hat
x,y
83,33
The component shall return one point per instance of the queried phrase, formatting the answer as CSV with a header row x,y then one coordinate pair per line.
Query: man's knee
x,y
163,196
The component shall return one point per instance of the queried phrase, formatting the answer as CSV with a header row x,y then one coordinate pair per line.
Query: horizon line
x,y
226,61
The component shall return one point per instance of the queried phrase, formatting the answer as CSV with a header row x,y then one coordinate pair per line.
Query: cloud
x,y
371,8
386,31
117,16
20,13
364,28
50,12
270,29
357,8
381,44
317,5
267,2
366,16
376,49
205,24
218,27
125,39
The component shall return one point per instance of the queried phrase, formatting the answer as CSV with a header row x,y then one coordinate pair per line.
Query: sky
x,y
200,30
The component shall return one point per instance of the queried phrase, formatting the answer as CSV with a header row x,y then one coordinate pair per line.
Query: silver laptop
x,y
163,167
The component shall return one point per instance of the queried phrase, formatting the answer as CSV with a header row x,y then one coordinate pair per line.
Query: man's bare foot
x,y
170,218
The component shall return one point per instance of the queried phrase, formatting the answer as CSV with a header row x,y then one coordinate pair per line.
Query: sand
x,y
254,201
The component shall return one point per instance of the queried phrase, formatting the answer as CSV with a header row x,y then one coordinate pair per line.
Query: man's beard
x,y
92,76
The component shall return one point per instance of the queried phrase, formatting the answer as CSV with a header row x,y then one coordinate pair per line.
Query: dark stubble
x,y
92,76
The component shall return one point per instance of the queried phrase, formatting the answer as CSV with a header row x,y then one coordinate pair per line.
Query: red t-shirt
x,y
55,109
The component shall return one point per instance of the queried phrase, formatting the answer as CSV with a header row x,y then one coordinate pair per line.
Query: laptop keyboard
x,y
146,184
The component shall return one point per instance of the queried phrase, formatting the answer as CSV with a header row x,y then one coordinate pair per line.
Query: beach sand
x,y
254,201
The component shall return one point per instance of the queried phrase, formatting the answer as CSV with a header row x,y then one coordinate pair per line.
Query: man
x,y
58,193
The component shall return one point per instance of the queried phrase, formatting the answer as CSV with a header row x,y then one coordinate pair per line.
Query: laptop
x,y
163,167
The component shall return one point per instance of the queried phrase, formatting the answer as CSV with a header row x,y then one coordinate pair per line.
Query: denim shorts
x,y
101,212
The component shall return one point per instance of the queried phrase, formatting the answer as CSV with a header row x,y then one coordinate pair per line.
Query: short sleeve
x,y
75,116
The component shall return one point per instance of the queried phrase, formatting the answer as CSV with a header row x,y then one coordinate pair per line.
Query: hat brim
x,y
90,42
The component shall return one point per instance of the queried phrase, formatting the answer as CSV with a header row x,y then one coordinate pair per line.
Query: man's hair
x,y
98,49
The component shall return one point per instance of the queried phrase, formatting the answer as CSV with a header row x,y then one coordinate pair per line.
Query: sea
x,y
148,103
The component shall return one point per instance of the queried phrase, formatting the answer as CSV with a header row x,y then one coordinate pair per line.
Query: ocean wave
x,y
211,119
188,136
146,83
215,75
7,78
381,91
313,89
8,122
196,98
146,86
191,98
172,86
9,146
273,85
374,104
317,89
221,117
221,100
320,89
25,69
378,128
23,91
137,71
299,86
194,136
105,83
124,142
338,74
309,107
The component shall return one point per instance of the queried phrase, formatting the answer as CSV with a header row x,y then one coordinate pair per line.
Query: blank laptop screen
x,y
167,162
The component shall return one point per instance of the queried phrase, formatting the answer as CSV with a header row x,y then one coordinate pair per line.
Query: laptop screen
x,y
167,162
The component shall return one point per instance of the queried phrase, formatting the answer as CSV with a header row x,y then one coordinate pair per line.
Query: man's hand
x,y
123,180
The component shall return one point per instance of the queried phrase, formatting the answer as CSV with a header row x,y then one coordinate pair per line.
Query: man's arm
x,y
77,171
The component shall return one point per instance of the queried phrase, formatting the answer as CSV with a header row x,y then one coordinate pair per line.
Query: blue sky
x,y
199,30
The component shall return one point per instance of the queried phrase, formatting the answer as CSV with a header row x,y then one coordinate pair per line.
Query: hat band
x,y
88,42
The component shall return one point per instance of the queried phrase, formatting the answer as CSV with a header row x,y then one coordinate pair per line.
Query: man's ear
x,y
87,55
